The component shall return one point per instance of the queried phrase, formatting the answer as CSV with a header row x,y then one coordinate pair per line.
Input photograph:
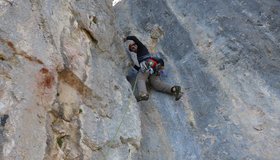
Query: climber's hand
x,y
151,71
143,67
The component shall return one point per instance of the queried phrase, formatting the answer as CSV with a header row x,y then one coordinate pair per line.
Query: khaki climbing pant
x,y
155,82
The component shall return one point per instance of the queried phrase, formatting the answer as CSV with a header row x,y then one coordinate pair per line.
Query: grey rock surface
x,y
64,93
226,56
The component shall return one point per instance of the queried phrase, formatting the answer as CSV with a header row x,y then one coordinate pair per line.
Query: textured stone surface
x,y
226,54
63,89
64,93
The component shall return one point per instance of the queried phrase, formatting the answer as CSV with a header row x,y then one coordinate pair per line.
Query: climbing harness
x,y
154,65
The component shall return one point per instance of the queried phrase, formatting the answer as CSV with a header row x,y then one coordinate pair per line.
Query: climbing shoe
x,y
142,97
176,90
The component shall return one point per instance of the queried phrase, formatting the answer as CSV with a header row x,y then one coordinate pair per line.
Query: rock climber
x,y
149,68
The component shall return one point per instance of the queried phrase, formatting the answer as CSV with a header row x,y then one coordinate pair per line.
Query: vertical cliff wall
x,y
226,55
64,93
62,85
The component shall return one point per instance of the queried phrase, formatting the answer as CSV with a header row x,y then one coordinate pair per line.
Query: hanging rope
x,y
119,126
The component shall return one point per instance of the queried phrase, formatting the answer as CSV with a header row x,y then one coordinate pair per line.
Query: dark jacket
x,y
142,51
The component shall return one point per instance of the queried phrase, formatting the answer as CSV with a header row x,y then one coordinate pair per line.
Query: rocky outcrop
x,y
63,89
64,93
226,55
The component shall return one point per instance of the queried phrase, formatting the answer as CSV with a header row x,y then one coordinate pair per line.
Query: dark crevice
x,y
91,37
11,3
3,138
4,119
93,19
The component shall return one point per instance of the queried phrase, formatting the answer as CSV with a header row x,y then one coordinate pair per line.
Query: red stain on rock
x,y
45,85
44,70
11,45
47,78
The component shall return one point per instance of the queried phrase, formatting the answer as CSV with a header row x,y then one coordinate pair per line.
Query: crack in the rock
x,y
64,126
71,79
23,54
36,7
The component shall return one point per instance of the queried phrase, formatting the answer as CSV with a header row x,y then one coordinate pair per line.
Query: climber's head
x,y
133,47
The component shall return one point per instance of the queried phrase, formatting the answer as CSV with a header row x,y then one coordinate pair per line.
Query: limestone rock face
x,y
226,56
64,93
